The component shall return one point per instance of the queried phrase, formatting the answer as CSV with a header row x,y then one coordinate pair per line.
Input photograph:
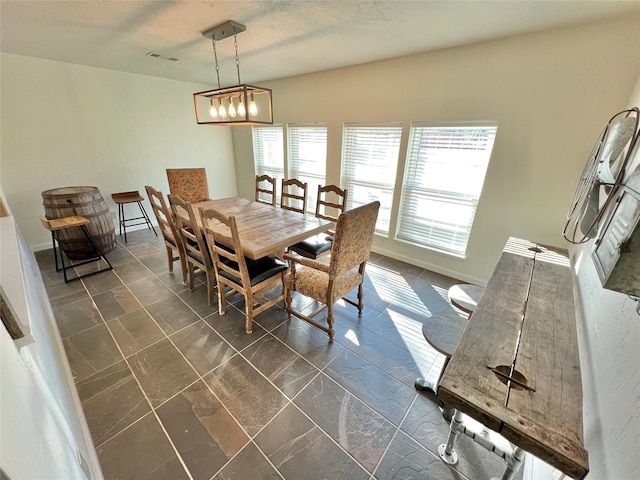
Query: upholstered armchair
x,y
329,279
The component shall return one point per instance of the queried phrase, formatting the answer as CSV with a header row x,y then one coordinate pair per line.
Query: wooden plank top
x,y
525,324
54,224
265,229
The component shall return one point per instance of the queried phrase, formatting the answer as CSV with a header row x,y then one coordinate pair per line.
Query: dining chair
x,y
251,278
329,279
167,225
195,248
293,195
330,197
190,184
266,192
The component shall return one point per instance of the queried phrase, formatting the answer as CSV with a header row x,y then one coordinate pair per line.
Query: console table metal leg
x,y
514,461
431,390
447,450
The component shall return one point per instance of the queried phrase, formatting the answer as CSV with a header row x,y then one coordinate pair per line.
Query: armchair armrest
x,y
307,262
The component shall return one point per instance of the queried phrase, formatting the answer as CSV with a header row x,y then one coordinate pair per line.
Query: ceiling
x,y
283,37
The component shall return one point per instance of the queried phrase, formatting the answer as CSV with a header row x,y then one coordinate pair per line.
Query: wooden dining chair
x,y
195,248
190,184
251,278
266,189
331,198
293,195
327,280
167,225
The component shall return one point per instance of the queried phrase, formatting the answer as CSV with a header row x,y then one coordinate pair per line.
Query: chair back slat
x,y
163,214
189,232
293,195
325,201
266,189
225,248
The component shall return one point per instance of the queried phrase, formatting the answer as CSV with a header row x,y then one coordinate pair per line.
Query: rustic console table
x,y
516,369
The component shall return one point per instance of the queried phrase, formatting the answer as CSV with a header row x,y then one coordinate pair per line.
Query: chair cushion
x,y
313,246
259,270
171,240
196,257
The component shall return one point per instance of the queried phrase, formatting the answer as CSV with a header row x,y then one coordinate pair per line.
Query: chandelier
x,y
241,104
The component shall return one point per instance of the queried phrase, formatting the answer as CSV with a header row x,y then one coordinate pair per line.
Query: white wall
x,y
43,430
66,125
550,92
609,340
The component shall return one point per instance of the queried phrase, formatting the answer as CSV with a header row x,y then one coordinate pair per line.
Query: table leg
x,y
514,461
447,450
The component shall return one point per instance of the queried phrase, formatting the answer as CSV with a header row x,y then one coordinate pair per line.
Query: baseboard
x,y
429,266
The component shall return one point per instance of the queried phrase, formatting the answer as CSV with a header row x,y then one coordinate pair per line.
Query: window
x,y
307,157
268,151
444,174
369,163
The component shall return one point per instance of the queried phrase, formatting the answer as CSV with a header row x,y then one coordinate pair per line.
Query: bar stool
x,y
56,225
122,198
443,333
465,296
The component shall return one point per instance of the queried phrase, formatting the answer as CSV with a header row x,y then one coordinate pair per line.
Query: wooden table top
x,y
524,320
265,229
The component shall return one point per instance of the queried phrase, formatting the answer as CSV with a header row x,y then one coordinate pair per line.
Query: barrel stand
x,y
56,225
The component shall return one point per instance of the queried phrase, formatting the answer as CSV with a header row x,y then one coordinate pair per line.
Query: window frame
x,y
377,190
408,222
260,167
312,179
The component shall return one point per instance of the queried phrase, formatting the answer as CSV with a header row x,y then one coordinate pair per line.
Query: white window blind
x,y
268,150
307,157
369,164
444,174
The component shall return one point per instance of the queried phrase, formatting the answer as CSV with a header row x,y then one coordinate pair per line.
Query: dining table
x,y
264,229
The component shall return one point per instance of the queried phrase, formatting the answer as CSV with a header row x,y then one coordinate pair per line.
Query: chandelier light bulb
x,y
253,108
232,108
213,111
241,110
222,112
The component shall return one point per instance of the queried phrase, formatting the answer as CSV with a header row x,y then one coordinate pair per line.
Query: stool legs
x,y
122,220
147,219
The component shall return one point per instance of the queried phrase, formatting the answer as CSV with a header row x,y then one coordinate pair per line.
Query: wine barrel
x,y
85,202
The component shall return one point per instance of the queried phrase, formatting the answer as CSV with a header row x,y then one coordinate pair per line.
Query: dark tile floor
x,y
173,390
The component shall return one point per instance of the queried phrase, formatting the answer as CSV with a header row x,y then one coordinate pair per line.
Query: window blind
x,y
268,150
307,158
444,174
369,164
